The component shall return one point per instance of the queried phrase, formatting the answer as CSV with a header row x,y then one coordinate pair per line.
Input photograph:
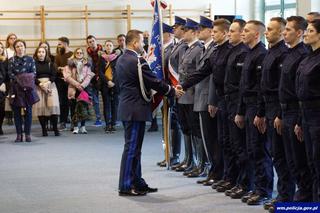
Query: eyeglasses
x,y
79,53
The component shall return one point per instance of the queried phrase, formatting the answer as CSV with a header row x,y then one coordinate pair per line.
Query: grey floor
x,y
79,173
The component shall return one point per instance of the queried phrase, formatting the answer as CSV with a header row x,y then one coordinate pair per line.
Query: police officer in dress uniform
x,y
240,173
175,130
216,65
135,110
271,72
177,52
250,113
208,125
201,102
308,92
189,121
294,150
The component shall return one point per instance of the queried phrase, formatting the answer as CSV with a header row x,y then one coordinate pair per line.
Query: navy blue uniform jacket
x,y
132,106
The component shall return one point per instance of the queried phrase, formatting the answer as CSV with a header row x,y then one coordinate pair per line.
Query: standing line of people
x,y
52,87
255,107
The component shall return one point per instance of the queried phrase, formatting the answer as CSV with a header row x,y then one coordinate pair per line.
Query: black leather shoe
x,y
189,170
209,182
181,168
161,162
215,185
202,181
132,192
238,194
247,196
230,191
225,186
150,190
173,167
256,200
269,203
195,173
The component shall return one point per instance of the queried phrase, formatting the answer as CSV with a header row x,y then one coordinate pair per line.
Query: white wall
x,y
315,5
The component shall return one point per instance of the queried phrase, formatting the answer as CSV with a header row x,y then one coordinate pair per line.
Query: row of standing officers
x,y
247,108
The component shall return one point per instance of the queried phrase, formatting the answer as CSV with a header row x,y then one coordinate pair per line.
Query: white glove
x,y
110,84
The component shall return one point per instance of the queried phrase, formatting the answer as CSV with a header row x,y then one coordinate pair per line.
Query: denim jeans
x,y
94,93
111,107
18,119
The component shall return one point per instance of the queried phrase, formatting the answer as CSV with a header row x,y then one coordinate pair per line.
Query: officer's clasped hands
x,y
179,91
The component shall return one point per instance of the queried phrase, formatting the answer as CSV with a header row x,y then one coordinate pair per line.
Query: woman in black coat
x,y
3,80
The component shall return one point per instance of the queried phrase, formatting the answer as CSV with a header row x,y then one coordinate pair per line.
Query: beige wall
x,y
31,29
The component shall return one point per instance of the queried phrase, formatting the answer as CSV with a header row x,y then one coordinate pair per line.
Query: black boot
x,y
54,123
193,157
187,154
176,146
200,163
43,123
154,125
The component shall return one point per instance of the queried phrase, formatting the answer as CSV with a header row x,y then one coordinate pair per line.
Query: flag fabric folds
x,y
154,56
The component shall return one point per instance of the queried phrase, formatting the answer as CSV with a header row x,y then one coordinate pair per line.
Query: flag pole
x,y
165,120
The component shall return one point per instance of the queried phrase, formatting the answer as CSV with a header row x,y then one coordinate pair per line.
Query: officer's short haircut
x,y
316,15
121,35
192,29
300,23
65,40
222,23
280,20
316,25
90,37
132,35
240,22
259,24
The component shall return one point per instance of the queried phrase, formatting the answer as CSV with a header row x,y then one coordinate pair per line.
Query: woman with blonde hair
x,y
78,75
11,38
48,106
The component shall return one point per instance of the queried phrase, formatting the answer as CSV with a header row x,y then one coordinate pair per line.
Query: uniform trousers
x,y
175,128
311,133
285,184
295,152
258,149
241,169
130,170
211,144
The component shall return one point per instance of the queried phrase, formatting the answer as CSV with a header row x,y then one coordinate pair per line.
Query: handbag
x,y
26,81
